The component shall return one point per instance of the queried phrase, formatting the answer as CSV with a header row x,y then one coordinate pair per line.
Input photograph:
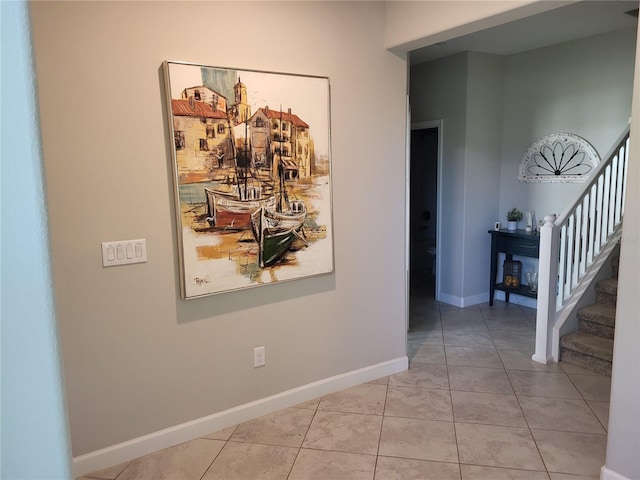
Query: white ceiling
x,y
577,20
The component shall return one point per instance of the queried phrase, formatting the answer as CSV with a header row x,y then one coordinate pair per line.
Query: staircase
x,y
591,347
573,248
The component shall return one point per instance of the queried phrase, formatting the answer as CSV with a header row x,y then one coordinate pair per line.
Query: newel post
x,y
547,285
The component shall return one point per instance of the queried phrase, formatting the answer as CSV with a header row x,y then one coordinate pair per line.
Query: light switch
x,y
124,252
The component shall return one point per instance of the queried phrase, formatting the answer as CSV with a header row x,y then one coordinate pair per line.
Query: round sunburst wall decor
x,y
559,157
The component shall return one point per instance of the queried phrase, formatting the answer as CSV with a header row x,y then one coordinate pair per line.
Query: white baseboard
x,y
475,299
517,299
462,302
607,474
137,447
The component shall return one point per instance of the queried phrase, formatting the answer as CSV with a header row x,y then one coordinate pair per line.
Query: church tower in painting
x,y
241,109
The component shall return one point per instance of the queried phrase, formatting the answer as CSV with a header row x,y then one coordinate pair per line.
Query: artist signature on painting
x,y
202,280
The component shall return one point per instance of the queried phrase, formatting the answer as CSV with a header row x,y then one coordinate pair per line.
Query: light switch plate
x,y
124,252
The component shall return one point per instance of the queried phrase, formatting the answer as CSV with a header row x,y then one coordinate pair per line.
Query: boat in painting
x,y
230,204
233,208
275,229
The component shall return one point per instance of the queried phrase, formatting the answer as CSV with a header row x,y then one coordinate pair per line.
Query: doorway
x,y
424,209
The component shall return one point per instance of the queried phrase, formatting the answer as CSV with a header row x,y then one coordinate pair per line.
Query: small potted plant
x,y
513,217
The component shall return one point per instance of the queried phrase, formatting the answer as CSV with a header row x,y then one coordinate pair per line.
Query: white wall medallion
x,y
559,157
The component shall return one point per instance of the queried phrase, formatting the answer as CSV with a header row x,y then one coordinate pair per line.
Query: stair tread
x,y
610,286
589,344
599,313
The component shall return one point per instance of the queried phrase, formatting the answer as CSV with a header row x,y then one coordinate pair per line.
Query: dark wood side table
x,y
518,242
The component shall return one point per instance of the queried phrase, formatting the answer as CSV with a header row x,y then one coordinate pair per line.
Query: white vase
x,y
511,225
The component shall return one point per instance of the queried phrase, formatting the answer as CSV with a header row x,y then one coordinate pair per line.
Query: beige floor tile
x,y
309,404
487,408
493,446
380,381
344,432
429,337
521,360
224,434
568,415
592,387
472,379
468,324
578,453
569,368
601,410
501,309
110,473
321,465
463,338
542,384
529,312
419,439
475,472
285,428
432,354
470,314
242,461
446,307
424,310
473,357
389,468
514,340
422,376
498,327
410,402
425,305
364,398
187,461
565,476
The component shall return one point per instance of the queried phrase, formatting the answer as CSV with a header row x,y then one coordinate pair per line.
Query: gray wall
x,y
137,359
442,95
483,143
582,87
493,109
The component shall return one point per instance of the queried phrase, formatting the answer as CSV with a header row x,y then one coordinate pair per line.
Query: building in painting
x,y
205,94
240,110
201,135
279,135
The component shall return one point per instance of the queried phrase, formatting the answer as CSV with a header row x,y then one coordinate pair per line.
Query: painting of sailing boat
x,y
252,175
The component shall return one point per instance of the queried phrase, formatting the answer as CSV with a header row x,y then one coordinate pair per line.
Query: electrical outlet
x,y
259,358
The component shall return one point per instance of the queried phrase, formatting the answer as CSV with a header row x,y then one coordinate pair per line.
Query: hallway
x,y
472,406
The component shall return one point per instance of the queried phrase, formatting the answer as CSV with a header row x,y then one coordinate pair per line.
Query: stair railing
x,y
574,241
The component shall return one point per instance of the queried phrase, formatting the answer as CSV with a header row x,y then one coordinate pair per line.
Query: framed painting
x,y
252,174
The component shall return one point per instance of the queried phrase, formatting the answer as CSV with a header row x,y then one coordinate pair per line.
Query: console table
x,y
509,242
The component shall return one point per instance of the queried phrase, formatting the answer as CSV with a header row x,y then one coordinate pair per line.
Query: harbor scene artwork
x,y
252,174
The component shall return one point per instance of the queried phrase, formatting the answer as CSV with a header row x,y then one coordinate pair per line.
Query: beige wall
x,y
415,24
136,358
623,441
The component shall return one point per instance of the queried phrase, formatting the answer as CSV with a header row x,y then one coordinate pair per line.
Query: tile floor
x,y
472,406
